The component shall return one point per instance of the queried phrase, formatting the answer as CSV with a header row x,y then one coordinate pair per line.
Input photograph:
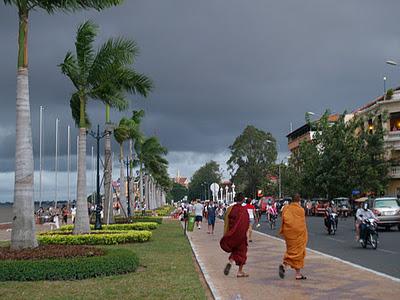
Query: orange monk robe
x,y
294,230
234,240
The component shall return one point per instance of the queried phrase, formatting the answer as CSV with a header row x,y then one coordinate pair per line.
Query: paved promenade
x,y
327,278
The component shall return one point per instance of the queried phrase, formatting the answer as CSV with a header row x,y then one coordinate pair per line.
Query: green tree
x,y
23,228
177,192
342,156
202,179
101,76
253,154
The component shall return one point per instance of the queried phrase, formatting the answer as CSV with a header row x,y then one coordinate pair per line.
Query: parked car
x,y
343,206
387,210
320,206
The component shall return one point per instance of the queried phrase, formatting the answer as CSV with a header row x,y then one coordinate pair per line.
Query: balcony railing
x,y
395,171
393,136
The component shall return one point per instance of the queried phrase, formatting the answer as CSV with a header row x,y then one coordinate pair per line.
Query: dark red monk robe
x,y
234,240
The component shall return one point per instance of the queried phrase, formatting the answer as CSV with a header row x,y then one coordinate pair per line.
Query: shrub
x,y
164,211
137,219
115,261
112,227
99,238
389,94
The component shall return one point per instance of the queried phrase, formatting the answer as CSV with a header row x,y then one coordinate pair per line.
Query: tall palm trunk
x,y
141,183
82,216
107,178
23,227
131,182
122,197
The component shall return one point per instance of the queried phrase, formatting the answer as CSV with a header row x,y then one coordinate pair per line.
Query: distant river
x,y
5,213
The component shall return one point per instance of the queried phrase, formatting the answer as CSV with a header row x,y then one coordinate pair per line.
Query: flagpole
x,y
69,164
56,166
40,153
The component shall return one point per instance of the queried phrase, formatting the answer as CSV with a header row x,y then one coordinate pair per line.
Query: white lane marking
x,y
336,240
395,279
387,251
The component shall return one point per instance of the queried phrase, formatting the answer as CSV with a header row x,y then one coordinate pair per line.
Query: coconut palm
x,y
137,84
23,228
101,76
121,134
151,160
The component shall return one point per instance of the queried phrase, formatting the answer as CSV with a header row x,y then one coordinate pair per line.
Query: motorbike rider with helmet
x,y
363,213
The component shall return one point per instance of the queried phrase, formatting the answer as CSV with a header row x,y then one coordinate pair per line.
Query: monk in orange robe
x,y
294,230
234,240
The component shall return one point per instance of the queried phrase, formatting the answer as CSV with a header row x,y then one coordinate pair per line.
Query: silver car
x,y
387,210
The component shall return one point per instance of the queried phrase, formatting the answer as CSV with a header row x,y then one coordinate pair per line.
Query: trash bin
x,y
190,223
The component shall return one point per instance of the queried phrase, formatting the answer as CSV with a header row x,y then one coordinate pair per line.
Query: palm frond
x,y
84,46
70,68
72,5
121,133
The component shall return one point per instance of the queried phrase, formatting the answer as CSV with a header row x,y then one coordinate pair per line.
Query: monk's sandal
x,y
227,268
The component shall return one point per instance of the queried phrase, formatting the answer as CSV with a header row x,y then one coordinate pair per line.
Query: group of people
x,y
237,234
55,215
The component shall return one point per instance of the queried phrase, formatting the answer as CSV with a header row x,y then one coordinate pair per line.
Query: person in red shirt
x,y
251,210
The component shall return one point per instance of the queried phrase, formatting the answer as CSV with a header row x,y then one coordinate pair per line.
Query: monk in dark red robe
x,y
234,240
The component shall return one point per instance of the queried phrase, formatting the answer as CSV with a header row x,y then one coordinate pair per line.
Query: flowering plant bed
x,y
113,227
114,261
95,238
49,251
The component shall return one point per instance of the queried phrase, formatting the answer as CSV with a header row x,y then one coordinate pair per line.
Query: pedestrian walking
x,y
234,240
251,210
294,231
198,212
73,214
211,213
65,214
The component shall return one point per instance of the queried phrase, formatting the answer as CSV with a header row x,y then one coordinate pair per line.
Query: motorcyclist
x,y
328,211
363,213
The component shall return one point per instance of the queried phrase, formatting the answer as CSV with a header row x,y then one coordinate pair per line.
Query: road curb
x,y
395,279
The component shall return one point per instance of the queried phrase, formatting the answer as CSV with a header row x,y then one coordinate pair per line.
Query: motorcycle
x,y
272,221
332,222
370,235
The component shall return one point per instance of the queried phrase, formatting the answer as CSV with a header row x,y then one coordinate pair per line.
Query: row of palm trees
x,y
104,75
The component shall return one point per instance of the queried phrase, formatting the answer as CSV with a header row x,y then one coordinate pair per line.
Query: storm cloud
x,y
217,66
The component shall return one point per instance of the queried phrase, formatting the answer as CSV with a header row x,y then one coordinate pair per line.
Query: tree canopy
x,y
253,154
201,180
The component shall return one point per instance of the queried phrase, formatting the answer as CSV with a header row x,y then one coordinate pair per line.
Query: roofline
x,y
368,105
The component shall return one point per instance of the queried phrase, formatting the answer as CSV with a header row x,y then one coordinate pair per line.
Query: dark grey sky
x,y
217,66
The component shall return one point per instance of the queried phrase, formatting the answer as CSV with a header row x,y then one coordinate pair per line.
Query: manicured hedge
x,y
137,219
112,227
164,211
115,261
103,238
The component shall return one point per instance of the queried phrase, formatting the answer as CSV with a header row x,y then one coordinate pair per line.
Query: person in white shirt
x,y
73,213
363,213
198,212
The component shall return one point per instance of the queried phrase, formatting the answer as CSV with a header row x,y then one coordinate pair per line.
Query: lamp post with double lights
x,y
98,137
127,163
279,167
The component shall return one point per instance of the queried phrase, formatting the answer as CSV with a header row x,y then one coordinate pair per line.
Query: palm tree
x,y
99,76
151,159
139,84
121,134
23,228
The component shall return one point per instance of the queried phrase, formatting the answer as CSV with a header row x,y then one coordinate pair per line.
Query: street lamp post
x,y
98,137
279,165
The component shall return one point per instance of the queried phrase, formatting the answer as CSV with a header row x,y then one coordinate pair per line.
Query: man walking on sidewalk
x,y
294,230
234,240
198,212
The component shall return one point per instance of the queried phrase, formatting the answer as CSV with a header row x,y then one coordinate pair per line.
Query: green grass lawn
x,y
167,272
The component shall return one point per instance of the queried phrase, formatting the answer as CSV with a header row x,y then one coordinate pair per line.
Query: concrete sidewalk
x,y
327,278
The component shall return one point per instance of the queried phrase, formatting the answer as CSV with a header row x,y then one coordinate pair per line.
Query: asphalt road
x,y
385,259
